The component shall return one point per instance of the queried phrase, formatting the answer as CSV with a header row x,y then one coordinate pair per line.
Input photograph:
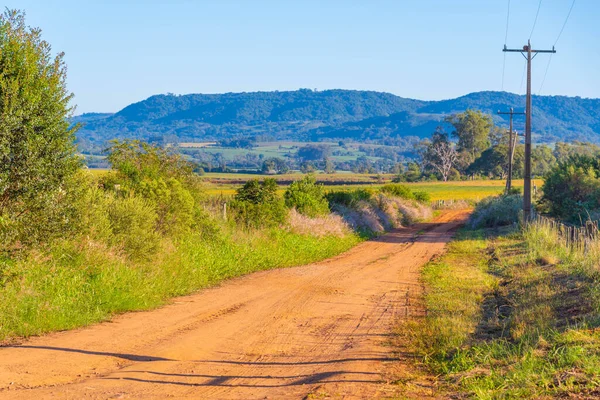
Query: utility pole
x,y
511,146
529,55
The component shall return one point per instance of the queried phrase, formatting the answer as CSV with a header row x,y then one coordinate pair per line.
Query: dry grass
x,y
328,225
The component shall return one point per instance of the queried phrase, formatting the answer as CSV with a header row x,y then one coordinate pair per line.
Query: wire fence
x,y
575,238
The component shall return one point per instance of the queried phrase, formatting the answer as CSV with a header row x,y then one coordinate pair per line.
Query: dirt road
x,y
320,329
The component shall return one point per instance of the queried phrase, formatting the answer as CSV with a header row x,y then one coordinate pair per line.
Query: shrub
x,y
307,197
497,211
132,224
257,215
572,189
257,192
348,198
256,204
398,190
422,196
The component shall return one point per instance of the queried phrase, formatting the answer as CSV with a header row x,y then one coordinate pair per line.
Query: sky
x,y
121,52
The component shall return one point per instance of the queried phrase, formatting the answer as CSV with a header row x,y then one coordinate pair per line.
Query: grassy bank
x,y
510,315
79,283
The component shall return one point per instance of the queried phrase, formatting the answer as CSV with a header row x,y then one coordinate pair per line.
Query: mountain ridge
x,y
329,115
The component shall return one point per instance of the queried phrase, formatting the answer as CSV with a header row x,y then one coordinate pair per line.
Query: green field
x,y
282,149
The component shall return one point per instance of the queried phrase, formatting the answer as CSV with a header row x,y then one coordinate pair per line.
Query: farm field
x,y
281,149
226,184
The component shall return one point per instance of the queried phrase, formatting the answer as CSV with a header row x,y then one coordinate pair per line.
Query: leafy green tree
x,y
38,162
564,151
472,128
413,172
275,165
542,160
313,152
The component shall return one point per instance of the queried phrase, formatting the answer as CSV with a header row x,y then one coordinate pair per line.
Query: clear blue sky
x,y
119,52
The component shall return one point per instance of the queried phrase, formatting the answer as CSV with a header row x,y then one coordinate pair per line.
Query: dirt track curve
x,y
319,329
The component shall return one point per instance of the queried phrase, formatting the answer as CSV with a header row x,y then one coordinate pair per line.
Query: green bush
x,y
572,189
398,190
257,192
422,196
307,197
133,226
257,205
258,215
348,198
496,211
174,205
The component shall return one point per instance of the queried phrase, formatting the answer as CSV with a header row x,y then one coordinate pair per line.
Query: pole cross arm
x,y
525,49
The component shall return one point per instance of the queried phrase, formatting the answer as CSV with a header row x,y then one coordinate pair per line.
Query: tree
x,y
472,128
440,154
37,152
542,160
313,152
328,166
275,165
493,162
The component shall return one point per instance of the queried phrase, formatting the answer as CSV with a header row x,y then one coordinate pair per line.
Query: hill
x,y
328,115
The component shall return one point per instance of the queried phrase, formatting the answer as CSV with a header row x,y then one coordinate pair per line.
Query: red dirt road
x,y
320,329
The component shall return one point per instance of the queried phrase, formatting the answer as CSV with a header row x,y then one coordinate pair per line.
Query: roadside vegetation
x,y
512,312
77,247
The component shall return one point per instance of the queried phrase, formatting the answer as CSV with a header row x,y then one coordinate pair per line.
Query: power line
x,y
505,40
556,41
565,24
522,76
536,18
545,74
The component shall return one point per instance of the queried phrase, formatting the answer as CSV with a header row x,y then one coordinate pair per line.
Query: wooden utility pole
x,y
529,54
511,146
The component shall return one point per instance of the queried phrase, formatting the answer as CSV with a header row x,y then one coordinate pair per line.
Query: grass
x,y
510,315
283,149
77,284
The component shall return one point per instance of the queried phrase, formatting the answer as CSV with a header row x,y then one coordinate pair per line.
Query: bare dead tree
x,y
441,155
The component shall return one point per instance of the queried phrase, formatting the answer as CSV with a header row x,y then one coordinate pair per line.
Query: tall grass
x,y
79,283
514,315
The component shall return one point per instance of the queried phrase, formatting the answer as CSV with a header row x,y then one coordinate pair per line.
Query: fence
x,y
574,238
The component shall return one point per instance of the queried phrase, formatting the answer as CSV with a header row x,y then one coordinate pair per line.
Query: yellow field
x,y
226,184
461,190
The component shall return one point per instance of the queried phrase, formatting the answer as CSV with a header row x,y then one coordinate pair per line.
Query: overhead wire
x,y
536,18
556,41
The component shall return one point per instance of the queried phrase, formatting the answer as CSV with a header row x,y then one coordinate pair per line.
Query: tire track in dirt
x,y
322,328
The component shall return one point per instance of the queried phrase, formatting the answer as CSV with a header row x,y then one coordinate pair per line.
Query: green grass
x,y
510,316
81,283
